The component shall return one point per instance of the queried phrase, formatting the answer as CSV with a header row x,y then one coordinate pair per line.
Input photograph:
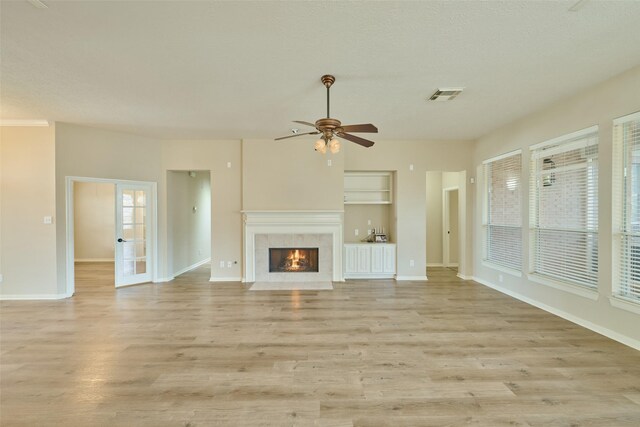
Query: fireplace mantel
x,y
291,222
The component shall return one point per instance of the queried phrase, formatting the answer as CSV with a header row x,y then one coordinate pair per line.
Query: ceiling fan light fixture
x,y
334,146
320,146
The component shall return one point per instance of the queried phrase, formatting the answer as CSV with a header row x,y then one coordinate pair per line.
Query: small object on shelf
x,y
376,236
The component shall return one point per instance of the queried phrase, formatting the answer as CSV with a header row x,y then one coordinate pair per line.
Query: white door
x,y
450,227
133,257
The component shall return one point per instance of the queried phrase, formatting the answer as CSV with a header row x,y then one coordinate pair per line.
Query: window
x,y
626,139
564,208
503,221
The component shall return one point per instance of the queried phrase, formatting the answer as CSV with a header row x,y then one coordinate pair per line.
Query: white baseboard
x,y
163,279
453,264
33,297
191,267
94,260
372,276
419,278
225,279
463,277
434,264
631,342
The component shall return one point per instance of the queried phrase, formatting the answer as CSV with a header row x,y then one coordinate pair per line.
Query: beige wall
x,y
28,246
94,221
434,218
410,199
598,105
223,159
92,152
436,182
84,151
282,175
189,230
358,216
453,227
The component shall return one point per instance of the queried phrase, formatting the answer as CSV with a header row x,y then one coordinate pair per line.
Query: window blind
x,y
564,208
503,214
626,137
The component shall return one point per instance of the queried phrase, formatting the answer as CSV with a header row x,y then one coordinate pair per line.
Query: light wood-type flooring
x,y
369,353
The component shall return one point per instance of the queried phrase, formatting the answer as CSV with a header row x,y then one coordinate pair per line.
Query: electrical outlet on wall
x,y
412,263
500,278
229,264
357,232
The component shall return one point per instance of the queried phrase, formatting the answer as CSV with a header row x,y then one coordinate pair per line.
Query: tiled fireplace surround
x,y
283,229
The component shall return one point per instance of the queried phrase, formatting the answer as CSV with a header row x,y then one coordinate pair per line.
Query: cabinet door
x,y
377,259
364,259
351,259
389,259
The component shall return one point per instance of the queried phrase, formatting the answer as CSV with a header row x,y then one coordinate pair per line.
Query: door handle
x,y
120,240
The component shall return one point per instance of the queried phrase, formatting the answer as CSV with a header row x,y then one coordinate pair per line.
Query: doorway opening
x,y
129,208
446,221
188,221
94,236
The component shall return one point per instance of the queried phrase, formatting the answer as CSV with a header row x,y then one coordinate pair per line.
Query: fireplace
x,y
293,260
292,230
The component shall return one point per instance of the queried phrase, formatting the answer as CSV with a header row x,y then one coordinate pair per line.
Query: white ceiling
x,y
182,69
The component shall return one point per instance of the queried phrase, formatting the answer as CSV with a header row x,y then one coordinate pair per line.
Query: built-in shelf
x,y
373,188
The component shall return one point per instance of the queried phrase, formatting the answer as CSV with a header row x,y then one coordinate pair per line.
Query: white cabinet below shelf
x,y
369,260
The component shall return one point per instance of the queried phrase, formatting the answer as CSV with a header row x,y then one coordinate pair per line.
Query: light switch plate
x,y
221,264
357,232
47,220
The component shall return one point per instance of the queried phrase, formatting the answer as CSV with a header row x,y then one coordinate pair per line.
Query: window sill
x,y
502,268
623,303
567,287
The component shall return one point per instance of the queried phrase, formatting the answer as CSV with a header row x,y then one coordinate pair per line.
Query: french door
x,y
133,234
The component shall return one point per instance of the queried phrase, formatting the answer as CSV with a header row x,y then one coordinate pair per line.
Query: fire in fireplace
x,y
293,260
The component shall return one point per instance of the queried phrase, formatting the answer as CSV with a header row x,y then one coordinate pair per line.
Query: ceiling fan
x,y
331,128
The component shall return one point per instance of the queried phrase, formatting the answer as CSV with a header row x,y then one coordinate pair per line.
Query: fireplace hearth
x,y
293,260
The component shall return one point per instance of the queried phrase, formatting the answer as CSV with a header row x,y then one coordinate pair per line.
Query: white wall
x,y
94,221
598,105
27,191
189,230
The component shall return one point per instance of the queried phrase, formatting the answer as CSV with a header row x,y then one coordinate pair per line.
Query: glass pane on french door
x,y
132,254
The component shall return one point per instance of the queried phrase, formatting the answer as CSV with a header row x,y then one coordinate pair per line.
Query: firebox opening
x,y
293,260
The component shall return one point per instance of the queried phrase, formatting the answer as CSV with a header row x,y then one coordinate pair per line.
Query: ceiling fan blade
x,y
304,123
297,134
368,127
356,139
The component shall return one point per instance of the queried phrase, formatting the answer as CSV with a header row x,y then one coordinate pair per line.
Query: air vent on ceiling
x,y
38,4
446,93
